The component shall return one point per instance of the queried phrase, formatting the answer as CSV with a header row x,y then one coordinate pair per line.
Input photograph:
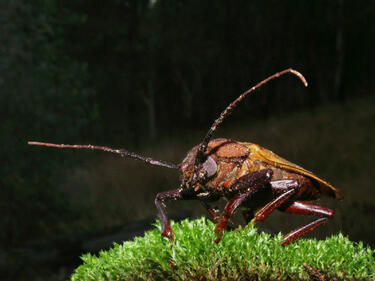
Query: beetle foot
x,y
222,224
217,240
171,264
167,232
220,230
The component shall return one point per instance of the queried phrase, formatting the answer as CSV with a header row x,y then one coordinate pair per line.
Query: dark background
x,y
151,77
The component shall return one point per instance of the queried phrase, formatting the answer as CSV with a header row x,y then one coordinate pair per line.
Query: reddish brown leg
x,y
214,215
287,188
229,210
252,182
212,211
175,194
305,208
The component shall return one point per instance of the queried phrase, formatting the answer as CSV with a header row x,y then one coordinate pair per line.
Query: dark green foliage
x,y
242,254
43,93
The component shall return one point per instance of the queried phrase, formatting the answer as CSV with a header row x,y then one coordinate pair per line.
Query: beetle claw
x,y
169,235
217,240
220,229
167,232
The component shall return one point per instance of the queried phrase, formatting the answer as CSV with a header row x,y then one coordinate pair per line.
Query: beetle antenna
x,y
122,152
203,146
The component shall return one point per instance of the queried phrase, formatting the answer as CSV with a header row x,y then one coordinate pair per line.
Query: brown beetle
x,y
244,173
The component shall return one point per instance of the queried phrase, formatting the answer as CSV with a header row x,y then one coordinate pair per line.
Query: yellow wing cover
x,y
262,154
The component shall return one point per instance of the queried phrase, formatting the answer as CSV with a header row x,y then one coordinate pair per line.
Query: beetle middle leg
x,y
213,211
206,198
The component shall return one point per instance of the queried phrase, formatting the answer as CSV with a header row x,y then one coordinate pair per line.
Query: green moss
x,y
240,254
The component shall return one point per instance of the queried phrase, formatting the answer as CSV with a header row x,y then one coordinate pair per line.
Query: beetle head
x,y
192,175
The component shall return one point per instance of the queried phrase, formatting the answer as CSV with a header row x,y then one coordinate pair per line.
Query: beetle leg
x,y
252,182
287,188
248,215
229,210
212,211
175,194
205,198
305,208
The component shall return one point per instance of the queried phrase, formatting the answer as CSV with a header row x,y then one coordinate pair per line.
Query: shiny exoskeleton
x,y
246,174
251,177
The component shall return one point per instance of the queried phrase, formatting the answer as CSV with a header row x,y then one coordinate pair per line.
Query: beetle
x,y
246,174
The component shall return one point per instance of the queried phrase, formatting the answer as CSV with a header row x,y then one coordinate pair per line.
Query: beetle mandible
x,y
244,173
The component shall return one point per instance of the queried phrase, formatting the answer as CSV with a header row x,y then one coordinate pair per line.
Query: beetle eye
x,y
209,167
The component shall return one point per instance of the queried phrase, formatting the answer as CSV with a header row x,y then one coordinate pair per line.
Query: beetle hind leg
x,y
285,190
305,208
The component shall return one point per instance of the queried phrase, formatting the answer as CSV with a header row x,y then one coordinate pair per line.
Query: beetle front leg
x,y
175,194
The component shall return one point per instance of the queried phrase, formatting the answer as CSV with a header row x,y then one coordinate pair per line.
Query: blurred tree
x,y
44,94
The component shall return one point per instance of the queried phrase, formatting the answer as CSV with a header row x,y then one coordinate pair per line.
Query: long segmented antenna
x,y
203,146
122,152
